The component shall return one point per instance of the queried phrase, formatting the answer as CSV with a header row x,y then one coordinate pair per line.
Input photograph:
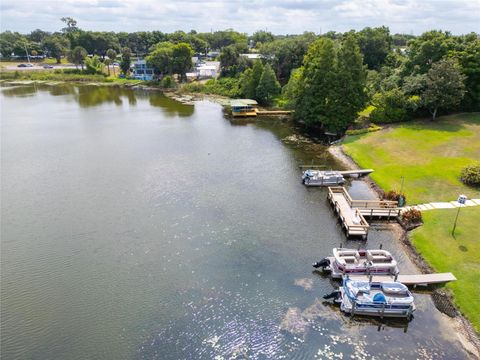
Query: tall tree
x,y
445,86
103,41
291,91
56,46
182,59
287,54
427,49
469,60
126,60
112,55
375,45
77,56
268,86
160,57
228,60
38,35
317,83
350,95
332,88
261,37
71,25
250,79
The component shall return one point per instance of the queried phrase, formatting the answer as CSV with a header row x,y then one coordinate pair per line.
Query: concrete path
x,y
442,205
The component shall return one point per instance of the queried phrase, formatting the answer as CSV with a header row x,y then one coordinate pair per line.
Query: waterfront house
x,y
141,71
207,71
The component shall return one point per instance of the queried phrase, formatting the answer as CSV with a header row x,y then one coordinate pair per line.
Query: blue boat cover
x,y
379,297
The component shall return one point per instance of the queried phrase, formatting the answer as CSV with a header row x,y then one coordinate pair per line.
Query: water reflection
x,y
169,106
121,249
19,91
91,96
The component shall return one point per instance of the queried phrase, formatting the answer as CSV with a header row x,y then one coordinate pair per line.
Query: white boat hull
x,y
381,299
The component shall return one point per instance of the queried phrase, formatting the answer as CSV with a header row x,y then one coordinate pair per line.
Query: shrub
x,y
93,65
390,106
371,128
72,71
392,195
412,216
229,87
471,175
167,82
193,87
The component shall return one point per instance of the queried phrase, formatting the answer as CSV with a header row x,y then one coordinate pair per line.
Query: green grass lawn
x,y
459,255
430,157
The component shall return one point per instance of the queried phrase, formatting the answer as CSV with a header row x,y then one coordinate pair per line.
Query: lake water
x,y
135,227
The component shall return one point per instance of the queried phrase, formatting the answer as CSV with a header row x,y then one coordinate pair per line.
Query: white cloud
x,y
278,16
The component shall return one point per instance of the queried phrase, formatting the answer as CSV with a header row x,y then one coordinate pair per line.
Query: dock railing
x,y
365,204
357,228
351,229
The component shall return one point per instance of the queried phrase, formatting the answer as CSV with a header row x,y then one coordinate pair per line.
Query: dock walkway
x,y
412,280
352,213
273,112
359,172
352,220
442,205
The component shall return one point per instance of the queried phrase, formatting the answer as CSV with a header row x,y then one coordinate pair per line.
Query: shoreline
x,y
442,299
172,93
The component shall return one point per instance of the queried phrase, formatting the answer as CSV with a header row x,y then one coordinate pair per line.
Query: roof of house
x,y
242,102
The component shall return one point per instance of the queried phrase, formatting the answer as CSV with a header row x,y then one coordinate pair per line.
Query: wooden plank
x,y
414,279
339,198
312,166
356,172
380,212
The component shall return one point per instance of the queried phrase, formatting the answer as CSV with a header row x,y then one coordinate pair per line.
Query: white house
x,y
207,71
252,56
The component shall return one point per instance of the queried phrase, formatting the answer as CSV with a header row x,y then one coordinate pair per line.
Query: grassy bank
x,y
430,156
65,76
459,254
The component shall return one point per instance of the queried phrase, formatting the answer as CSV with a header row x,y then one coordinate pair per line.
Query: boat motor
x,y
322,263
334,295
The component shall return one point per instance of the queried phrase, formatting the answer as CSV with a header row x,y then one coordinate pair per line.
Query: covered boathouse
x,y
244,107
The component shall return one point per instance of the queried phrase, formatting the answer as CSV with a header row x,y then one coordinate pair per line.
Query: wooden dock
x,y
352,220
352,213
369,208
411,280
273,112
359,172
345,173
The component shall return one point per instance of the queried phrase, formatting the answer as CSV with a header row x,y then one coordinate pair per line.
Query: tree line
x,y
333,80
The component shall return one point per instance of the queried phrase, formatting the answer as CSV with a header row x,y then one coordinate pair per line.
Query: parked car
x,y
22,65
28,65
116,64
48,66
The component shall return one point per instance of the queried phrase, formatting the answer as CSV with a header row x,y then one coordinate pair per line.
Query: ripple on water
x,y
225,325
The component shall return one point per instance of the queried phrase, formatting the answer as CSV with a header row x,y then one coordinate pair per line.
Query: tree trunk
x,y
434,113
59,60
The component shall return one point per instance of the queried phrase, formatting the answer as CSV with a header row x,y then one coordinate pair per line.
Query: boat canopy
x,y
238,103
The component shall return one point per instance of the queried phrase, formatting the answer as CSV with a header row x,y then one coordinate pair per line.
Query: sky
x,y
277,16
